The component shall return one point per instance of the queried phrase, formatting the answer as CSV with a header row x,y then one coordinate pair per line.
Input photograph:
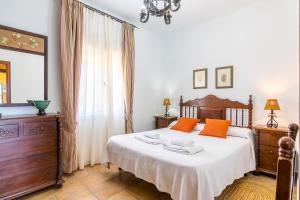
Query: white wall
x,y
42,17
149,78
260,40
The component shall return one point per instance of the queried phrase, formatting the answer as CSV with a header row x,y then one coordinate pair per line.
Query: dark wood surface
x,y
162,121
267,147
45,55
30,157
286,165
216,108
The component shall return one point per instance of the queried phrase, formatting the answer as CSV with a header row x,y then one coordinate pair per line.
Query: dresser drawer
x,y
36,128
269,138
38,179
38,145
268,156
30,164
162,123
9,131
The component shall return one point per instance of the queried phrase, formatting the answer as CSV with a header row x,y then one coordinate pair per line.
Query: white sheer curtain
x,y
101,95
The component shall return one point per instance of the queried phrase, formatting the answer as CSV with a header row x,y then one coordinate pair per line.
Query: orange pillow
x,y
216,128
185,124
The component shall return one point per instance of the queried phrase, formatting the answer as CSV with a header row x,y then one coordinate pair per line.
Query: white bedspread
x,y
202,176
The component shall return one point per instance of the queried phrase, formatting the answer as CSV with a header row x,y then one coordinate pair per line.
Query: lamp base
x,y
166,113
272,123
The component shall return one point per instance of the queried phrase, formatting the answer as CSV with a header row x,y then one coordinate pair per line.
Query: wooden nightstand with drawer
x,y
267,147
162,121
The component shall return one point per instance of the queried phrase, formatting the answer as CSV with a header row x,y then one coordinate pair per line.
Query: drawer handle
x,y
42,128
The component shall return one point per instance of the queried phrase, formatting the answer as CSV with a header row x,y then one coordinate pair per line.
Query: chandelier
x,y
159,8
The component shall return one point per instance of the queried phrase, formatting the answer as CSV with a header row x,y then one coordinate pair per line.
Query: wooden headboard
x,y
216,108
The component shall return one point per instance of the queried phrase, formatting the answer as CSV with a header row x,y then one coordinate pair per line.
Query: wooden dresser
x,y
267,147
162,121
30,154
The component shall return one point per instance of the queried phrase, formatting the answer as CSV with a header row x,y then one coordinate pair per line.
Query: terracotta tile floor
x,y
99,183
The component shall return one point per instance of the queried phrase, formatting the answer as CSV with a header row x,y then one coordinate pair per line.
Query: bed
x,y
204,175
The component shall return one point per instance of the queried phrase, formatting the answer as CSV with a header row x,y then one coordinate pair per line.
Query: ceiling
x,y
190,13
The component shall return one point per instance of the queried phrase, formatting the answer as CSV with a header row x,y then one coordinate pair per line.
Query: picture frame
x,y
224,77
200,78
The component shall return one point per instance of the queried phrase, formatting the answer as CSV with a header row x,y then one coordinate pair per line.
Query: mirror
x,y
23,67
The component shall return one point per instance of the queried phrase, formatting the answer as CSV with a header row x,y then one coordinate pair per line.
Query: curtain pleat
x,y
71,51
128,60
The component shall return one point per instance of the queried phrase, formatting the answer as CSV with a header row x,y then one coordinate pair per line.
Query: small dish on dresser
x,y
41,105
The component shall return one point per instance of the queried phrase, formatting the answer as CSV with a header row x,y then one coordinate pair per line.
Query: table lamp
x,y
167,103
272,104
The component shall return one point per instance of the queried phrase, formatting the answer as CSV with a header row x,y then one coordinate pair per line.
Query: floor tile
x,y
107,189
144,190
123,196
47,194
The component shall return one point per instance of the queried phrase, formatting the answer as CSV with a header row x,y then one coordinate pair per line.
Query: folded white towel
x,y
153,135
183,142
148,140
184,150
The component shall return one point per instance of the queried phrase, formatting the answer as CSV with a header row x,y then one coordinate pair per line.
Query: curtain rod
x,y
103,13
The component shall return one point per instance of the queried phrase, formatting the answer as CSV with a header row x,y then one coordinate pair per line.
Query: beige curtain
x,y
71,47
128,60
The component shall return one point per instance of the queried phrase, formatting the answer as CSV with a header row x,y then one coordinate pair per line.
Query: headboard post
x,y
180,105
250,111
286,165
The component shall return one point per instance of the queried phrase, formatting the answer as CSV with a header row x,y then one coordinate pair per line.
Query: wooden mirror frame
x,y
44,53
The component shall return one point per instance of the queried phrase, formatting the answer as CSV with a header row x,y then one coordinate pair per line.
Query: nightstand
x,y
162,121
267,147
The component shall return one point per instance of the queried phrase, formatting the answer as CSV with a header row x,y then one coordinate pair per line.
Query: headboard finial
x,y
180,105
250,104
181,100
250,100
293,130
286,147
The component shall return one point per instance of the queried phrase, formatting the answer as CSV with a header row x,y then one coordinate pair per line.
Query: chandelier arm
x,y
175,8
167,18
144,17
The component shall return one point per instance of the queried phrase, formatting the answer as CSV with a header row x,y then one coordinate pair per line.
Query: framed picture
x,y
224,77
200,78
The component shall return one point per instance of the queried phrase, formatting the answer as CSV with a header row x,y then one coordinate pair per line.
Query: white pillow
x,y
199,127
240,132
172,124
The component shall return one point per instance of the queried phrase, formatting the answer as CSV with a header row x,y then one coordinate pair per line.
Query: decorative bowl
x,y
41,105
